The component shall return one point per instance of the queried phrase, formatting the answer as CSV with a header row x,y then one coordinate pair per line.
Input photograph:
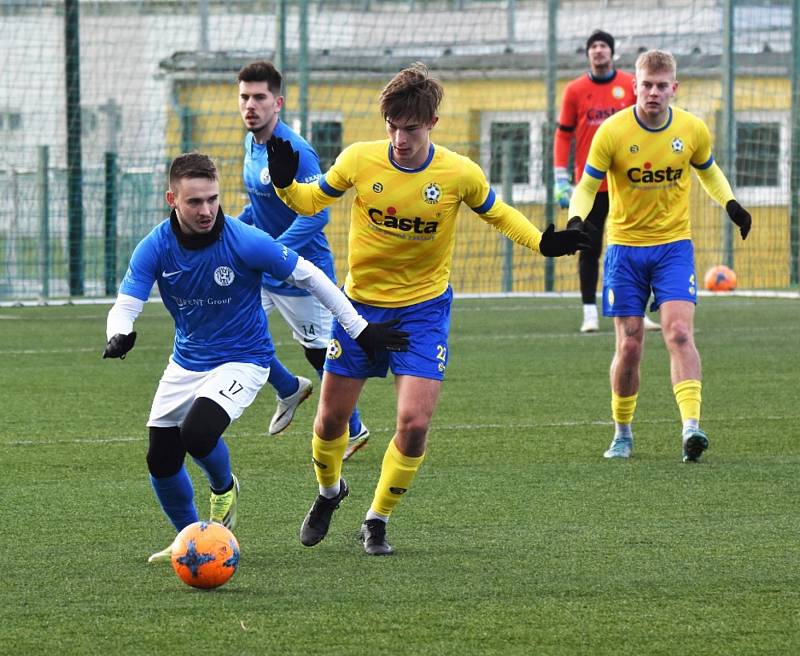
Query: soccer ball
x,y
205,555
720,279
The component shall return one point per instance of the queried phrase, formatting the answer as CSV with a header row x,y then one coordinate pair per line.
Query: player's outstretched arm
x,y
555,243
372,337
382,336
307,199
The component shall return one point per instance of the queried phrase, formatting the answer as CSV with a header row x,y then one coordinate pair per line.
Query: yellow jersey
x,y
648,172
403,222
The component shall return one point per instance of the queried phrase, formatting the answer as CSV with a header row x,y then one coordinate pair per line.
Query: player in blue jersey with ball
x,y
260,103
208,269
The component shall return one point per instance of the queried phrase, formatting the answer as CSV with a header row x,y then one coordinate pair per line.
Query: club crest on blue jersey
x,y
224,276
264,176
431,193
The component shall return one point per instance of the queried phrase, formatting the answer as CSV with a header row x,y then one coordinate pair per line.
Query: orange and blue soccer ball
x,y
720,279
205,555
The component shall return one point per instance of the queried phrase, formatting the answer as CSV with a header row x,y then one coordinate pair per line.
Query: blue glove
x,y
562,192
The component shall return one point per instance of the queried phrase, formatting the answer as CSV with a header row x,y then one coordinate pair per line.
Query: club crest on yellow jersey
x,y
431,193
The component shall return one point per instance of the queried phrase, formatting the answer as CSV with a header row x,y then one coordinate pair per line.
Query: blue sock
x,y
355,422
176,496
283,380
217,466
355,419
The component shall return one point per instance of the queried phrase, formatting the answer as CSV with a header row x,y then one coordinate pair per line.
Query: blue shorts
x,y
631,272
428,325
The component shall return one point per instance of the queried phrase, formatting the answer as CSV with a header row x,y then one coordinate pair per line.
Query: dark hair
x,y
192,165
262,71
600,35
412,94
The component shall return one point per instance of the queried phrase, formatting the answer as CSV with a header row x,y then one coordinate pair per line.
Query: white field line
x,y
454,339
233,434
747,293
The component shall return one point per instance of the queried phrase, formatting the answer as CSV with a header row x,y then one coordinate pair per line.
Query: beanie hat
x,y
599,35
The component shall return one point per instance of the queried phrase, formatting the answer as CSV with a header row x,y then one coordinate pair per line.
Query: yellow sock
x,y
327,457
397,472
687,394
622,408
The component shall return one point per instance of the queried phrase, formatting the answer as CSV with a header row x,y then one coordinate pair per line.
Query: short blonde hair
x,y
657,61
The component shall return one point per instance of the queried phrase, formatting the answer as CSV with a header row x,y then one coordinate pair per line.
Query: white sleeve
x,y
122,315
307,276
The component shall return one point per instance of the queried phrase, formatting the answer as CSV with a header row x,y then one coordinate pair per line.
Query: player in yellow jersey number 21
x,y
402,231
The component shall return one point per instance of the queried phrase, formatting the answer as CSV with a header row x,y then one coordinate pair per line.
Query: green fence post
x,y
110,223
72,69
302,69
728,120
552,63
43,194
508,197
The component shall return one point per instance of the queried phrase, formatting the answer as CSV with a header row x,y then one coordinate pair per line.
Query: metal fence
x,y
98,96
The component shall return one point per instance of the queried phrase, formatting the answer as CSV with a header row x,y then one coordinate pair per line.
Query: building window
x,y
518,137
10,121
762,158
88,119
326,138
524,131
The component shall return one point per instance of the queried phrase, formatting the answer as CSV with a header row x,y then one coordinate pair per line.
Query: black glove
x,y
283,161
575,223
378,336
119,345
563,242
740,216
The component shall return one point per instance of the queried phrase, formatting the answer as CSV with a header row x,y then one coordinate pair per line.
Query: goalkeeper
x,y
208,269
402,231
648,151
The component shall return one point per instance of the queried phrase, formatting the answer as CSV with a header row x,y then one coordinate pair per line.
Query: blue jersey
x,y
303,234
213,293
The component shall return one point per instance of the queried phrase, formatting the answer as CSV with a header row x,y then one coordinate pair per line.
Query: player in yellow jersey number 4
x,y
647,152
401,237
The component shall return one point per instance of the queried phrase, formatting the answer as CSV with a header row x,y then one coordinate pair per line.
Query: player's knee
x,y
202,427
331,421
679,333
316,357
165,452
630,350
413,428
